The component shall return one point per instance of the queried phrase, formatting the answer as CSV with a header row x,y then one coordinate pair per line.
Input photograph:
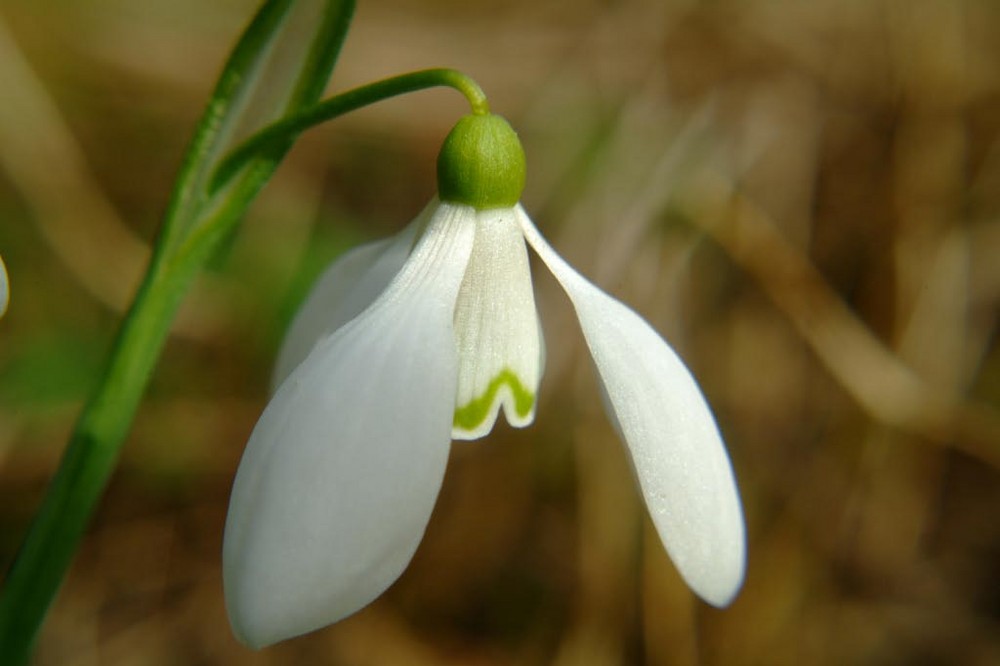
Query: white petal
x,y
4,289
340,475
677,452
345,288
497,330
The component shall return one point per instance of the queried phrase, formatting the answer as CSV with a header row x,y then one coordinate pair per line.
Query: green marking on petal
x,y
471,415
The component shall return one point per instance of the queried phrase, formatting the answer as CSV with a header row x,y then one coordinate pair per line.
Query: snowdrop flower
x,y
410,342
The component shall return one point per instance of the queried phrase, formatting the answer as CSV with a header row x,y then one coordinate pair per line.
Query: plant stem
x,y
194,225
87,463
288,128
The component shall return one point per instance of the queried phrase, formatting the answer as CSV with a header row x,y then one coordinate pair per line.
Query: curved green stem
x,y
345,102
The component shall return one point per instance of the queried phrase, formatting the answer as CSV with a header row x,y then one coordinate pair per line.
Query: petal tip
x,y
724,587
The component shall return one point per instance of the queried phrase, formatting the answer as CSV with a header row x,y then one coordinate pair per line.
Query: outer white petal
x,y
340,475
497,331
345,288
677,453
4,289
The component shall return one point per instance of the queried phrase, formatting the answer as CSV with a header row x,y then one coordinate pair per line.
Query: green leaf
x,y
193,227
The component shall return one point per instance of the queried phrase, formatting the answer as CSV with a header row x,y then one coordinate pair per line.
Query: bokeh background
x,y
803,197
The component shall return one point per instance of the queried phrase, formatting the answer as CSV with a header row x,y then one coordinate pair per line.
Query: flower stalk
x,y
290,127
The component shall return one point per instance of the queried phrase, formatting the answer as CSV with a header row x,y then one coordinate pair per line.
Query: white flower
x,y
407,343
4,289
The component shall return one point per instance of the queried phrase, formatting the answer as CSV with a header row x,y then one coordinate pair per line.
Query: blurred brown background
x,y
803,197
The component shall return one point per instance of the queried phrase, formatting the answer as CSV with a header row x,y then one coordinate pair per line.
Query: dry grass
x,y
803,197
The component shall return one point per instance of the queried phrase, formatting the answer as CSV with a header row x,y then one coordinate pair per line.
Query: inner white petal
x,y
497,330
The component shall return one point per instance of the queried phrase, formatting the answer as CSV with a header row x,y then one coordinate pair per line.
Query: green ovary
x,y
476,410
